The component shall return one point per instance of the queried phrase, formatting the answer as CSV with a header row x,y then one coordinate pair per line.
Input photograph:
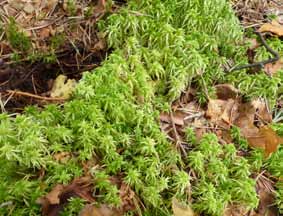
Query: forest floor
x,y
153,108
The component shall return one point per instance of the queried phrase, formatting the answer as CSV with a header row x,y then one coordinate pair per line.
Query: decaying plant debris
x,y
163,126
41,39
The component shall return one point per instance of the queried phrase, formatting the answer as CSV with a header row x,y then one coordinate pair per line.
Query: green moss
x,y
56,41
113,115
46,57
74,207
71,7
221,177
17,38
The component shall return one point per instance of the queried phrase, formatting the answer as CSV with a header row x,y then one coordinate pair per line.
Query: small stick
x,y
177,137
26,94
261,64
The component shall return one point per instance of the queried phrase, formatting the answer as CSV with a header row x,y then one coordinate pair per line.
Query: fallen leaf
x,y
273,27
127,203
266,138
245,116
44,33
62,157
127,196
273,68
235,210
177,118
63,87
262,137
53,196
226,91
54,201
102,210
262,110
220,112
100,8
272,140
181,210
100,45
232,112
265,191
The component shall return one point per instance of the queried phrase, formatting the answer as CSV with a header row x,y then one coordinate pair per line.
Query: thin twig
x,y
264,62
44,25
196,115
26,94
176,134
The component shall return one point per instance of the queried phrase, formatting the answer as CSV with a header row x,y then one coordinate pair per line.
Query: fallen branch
x,y
26,94
262,63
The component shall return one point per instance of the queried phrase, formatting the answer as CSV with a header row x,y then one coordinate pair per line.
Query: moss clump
x,y
113,116
17,38
223,178
275,166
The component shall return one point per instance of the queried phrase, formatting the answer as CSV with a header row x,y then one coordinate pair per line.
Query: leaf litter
x,y
228,109
61,38
223,112
253,118
58,197
83,187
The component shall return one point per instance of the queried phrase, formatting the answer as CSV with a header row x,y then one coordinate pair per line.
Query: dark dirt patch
x,y
60,39
37,78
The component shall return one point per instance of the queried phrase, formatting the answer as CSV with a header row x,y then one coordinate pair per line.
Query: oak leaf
x,y
102,210
53,203
273,68
220,111
177,118
266,139
273,27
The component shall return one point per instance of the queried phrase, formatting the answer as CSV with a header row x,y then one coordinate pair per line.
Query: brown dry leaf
x,y
177,118
272,140
273,27
54,202
53,196
127,196
245,120
181,210
262,110
266,138
62,157
273,68
102,210
226,91
100,45
100,7
44,33
215,108
235,210
221,111
263,137
265,191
